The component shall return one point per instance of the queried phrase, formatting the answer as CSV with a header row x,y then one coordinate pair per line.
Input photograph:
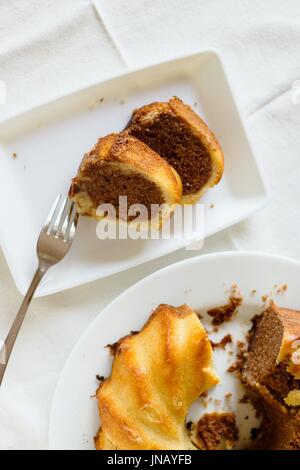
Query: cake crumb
x,y
240,358
134,332
293,398
204,404
211,206
14,155
216,430
267,298
226,312
116,348
112,348
282,289
254,291
189,425
221,344
199,314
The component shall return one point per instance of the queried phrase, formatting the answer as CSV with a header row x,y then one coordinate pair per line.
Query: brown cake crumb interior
x,y
215,428
267,384
104,183
226,312
173,140
261,364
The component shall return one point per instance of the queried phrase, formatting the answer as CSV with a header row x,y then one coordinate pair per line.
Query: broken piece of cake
x,y
271,375
156,375
121,165
216,431
181,137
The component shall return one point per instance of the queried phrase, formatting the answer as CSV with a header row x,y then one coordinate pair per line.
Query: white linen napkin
x,y
275,131
52,47
258,40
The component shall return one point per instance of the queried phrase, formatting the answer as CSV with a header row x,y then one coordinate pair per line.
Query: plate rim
x,y
260,204
221,254
127,71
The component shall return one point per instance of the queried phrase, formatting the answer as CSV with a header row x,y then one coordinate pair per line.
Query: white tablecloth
x,y
48,47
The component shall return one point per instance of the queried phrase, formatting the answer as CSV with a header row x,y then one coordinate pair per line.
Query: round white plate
x,y
202,283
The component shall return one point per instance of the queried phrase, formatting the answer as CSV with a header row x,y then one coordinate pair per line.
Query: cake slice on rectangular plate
x,y
121,165
184,140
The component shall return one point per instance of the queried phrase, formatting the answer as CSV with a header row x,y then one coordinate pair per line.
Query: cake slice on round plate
x,y
271,375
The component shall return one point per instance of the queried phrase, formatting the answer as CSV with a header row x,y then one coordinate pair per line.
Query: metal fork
x,y
53,244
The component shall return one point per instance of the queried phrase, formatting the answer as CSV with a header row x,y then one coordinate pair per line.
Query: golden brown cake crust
x,y
185,114
156,375
123,154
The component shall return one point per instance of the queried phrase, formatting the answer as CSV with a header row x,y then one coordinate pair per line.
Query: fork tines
x,y
62,220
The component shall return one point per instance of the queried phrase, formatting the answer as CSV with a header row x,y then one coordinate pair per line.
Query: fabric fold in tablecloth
x,y
52,48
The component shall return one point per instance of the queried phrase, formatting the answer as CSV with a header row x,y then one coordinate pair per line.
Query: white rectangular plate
x,y
50,141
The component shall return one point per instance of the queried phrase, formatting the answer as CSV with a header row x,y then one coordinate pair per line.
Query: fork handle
x,y
10,340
